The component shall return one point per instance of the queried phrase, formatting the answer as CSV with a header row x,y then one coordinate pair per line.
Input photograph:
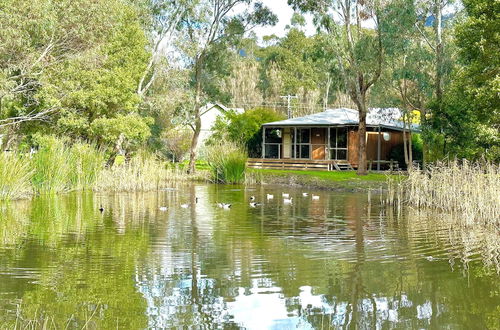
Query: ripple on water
x,y
308,265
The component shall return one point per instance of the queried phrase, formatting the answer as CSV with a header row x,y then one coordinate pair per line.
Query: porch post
x,y
328,156
295,143
263,142
378,148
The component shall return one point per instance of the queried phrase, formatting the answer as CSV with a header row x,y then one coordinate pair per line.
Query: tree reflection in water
x,y
342,261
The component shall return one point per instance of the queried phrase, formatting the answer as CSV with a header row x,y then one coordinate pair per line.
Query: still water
x,y
340,261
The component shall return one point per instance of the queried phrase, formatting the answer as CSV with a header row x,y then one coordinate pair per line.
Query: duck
x,y
305,194
186,205
285,195
269,196
224,205
101,208
315,197
288,200
252,198
163,208
255,204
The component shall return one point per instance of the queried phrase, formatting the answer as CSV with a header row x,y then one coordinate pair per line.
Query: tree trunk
x,y
194,145
405,140
362,139
439,52
197,119
410,149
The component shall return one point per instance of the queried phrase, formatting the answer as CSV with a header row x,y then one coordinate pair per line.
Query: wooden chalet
x,y
329,140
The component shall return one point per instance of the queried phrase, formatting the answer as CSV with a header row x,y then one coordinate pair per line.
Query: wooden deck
x,y
298,164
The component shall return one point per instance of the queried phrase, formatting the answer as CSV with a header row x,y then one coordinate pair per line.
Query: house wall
x,y
352,146
318,141
396,138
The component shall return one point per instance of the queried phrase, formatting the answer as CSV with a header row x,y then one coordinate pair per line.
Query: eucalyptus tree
x,y
359,50
75,62
407,81
208,31
53,34
161,19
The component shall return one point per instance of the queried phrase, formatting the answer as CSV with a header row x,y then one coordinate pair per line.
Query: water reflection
x,y
342,261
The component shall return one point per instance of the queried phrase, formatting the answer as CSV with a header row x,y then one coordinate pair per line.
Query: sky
x,y
284,12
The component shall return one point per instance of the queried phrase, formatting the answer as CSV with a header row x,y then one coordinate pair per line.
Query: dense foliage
x,y
127,76
244,128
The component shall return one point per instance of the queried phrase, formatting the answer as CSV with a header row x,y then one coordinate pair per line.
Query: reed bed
x,y
51,167
141,173
15,176
227,162
471,191
57,167
87,162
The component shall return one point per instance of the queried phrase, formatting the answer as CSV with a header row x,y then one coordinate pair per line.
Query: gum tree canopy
x,y
208,33
359,50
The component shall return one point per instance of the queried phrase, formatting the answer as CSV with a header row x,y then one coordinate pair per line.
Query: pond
x,y
340,260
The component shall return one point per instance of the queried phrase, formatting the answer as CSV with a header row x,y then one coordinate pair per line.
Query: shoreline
x,y
333,181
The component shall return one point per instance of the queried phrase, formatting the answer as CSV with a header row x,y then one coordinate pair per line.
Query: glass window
x,y
304,151
338,143
341,154
341,137
271,151
303,135
273,135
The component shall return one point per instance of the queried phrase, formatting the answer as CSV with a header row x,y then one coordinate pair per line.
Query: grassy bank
x,y
334,180
470,191
57,168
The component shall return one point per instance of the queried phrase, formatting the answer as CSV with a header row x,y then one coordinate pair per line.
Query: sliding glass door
x,y
273,137
338,143
302,142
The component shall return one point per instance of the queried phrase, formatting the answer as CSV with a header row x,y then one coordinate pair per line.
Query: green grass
x,y
334,180
329,176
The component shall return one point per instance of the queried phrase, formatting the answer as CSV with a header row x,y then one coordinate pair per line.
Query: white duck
x,y
315,197
288,200
269,196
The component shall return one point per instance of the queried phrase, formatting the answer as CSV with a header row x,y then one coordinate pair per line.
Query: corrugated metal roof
x,y
383,117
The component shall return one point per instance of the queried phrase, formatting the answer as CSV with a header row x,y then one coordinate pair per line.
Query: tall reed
x,y
471,190
86,164
143,172
15,176
51,166
227,162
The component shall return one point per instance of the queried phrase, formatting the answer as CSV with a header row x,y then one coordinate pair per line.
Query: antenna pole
x,y
289,105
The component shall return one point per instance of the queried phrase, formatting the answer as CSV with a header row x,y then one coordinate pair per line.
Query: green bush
x,y
227,162
244,129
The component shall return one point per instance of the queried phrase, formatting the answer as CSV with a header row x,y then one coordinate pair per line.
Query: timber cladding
x,y
396,138
318,141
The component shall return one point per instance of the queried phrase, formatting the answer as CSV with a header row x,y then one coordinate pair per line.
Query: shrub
x,y
227,162
244,129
